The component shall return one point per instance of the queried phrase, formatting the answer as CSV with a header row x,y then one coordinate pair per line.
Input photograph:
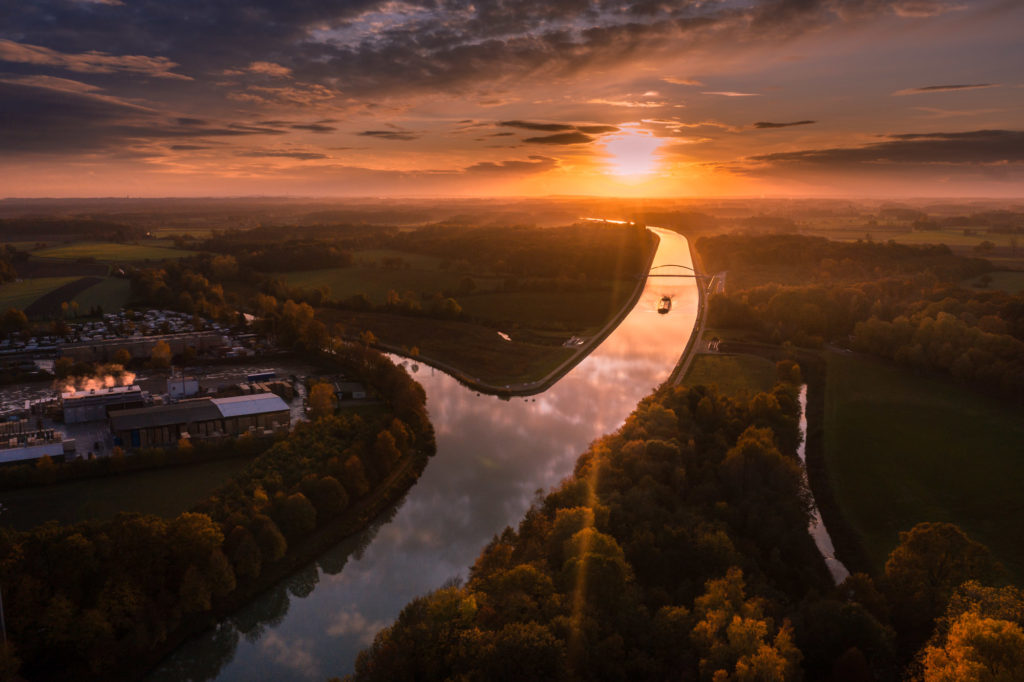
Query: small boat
x,y
664,305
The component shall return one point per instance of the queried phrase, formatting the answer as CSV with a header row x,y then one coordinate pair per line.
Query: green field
x,y
109,251
111,294
576,311
1011,282
476,350
164,492
21,294
901,449
733,374
375,283
415,260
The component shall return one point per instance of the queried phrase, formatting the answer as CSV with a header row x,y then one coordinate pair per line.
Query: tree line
x,y
678,550
92,599
901,302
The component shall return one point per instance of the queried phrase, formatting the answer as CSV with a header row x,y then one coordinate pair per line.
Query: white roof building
x,y
246,405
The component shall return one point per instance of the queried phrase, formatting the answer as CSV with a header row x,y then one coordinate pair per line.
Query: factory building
x,y
96,404
201,418
20,443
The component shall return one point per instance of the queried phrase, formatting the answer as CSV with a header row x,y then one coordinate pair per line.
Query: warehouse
x,y
202,418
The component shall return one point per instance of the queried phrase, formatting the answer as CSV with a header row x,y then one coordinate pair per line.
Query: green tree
x,y
296,516
931,561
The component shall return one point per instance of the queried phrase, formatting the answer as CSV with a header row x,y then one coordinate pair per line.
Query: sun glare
x,y
632,154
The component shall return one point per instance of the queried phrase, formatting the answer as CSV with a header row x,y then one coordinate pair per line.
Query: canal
x,y
494,455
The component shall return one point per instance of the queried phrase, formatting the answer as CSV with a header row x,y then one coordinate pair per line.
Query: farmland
x,y
23,293
109,251
733,374
901,449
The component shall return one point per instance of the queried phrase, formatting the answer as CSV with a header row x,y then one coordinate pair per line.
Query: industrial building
x,y
96,404
201,418
20,443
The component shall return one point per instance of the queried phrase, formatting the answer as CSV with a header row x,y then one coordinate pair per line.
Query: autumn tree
x,y
321,401
122,357
160,356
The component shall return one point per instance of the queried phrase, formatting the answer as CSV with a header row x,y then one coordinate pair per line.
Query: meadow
x,y
376,282
580,311
110,251
479,351
733,374
111,294
165,492
902,448
23,293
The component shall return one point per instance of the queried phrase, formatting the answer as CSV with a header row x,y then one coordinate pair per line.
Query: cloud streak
x,y
88,62
769,124
944,88
971,147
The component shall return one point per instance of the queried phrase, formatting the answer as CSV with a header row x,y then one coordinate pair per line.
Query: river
x,y
493,456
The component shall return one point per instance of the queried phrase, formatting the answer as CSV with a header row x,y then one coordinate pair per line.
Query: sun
x,y
632,154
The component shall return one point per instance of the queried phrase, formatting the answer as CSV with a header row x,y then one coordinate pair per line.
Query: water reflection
x,y
493,455
817,529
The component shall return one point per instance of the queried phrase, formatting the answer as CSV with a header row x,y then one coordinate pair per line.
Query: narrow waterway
x,y
493,456
817,527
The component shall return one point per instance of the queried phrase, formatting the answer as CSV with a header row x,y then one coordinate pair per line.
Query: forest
x,y
900,302
678,550
103,599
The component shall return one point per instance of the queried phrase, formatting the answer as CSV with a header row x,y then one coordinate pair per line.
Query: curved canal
x,y
493,456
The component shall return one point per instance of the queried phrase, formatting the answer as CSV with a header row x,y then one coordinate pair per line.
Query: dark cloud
x,y
945,88
389,135
536,164
570,133
313,127
303,156
769,124
541,127
973,147
425,45
575,137
59,121
189,147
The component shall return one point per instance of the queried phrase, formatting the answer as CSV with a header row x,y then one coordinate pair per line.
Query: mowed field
x,y
578,311
22,294
901,449
376,282
109,251
164,492
111,294
733,374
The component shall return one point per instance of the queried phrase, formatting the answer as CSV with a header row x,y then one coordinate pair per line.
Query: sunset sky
x,y
457,98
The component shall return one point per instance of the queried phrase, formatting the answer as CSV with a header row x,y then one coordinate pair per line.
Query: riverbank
x,y
545,382
352,522
683,364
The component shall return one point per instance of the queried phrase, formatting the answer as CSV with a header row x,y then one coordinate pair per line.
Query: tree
x,y
321,401
160,356
931,561
122,357
13,320
297,516
978,649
